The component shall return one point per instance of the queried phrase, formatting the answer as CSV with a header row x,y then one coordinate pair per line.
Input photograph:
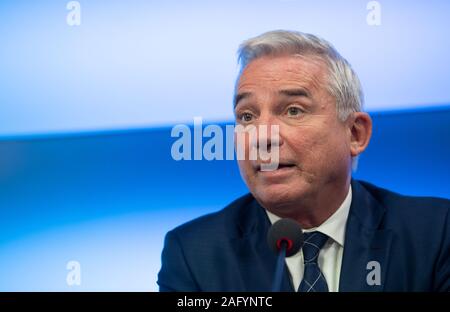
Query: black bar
x,y
227,301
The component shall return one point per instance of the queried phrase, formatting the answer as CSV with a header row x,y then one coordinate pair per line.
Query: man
x,y
358,237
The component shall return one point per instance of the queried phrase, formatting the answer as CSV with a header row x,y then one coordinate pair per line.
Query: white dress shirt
x,y
330,256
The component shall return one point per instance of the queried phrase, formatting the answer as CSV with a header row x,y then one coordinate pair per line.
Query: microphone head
x,y
285,231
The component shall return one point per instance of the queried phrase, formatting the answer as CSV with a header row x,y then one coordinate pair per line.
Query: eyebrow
x,y
287,92
295,92
240,97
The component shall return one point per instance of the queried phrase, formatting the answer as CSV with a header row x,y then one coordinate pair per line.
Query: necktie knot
x,y
313,242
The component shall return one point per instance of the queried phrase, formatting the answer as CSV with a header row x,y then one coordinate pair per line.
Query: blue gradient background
x,y
86,112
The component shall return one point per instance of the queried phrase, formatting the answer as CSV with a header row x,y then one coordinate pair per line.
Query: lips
x,y
281,165
283,172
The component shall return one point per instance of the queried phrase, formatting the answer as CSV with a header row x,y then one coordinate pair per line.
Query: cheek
x,y
332,151
244,166
317,148
306,145
247,173
242,145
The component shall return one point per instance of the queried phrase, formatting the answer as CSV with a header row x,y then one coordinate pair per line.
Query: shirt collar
x,y
334,226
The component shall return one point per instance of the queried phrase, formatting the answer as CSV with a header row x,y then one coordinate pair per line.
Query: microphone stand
x,y
276,286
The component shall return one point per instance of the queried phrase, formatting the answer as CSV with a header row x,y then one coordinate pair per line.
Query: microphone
x,y
285,238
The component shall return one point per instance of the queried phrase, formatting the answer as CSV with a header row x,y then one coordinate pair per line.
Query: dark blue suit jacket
x,y
227,250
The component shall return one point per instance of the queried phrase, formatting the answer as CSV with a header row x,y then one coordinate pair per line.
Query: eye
x,y
294,111
246,117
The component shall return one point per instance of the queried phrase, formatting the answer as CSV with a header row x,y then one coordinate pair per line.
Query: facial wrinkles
x,y
311,76
271,78
276,78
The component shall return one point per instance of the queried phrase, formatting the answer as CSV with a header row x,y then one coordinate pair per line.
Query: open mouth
x,y
280,167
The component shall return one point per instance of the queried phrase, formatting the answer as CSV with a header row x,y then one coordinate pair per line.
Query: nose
x,y
267,134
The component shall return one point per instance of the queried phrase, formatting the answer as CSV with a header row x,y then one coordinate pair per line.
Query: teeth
x,y
279,166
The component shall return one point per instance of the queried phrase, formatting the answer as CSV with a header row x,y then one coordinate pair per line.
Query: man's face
x,y
314,145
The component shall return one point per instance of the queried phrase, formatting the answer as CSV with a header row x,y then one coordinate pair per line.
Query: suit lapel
x,y
256,261
366,248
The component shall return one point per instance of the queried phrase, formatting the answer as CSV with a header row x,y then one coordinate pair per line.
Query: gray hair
x,y
343,85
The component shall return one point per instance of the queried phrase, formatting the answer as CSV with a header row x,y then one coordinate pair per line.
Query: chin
x,y
277,195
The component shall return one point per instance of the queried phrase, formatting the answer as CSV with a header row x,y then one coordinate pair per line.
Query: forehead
x,y
282,71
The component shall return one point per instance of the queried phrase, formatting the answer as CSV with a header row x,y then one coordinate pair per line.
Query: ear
x,y
361,132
